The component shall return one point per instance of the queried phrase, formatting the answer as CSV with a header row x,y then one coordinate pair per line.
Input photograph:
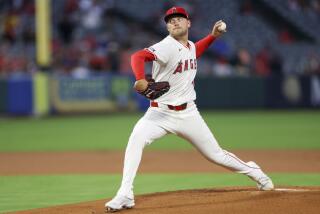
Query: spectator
x,y
262,62
98,62
312,64
11,22
276,64
222,68
80,72
114,56
65,29
242,62
91,14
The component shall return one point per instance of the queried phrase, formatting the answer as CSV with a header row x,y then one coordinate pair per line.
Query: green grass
x,y
27,192
233,129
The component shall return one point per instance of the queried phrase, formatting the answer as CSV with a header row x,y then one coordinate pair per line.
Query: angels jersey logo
x,y
188,64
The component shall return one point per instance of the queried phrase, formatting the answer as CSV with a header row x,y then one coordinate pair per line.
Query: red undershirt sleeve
x,y
203,44
137,62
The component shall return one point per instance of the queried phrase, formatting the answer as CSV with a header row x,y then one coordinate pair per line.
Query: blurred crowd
x,y
312,6
17,46
90,36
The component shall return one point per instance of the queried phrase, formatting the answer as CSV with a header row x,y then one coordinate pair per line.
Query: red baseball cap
x,y
180,11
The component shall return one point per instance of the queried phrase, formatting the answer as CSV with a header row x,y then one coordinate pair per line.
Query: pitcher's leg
x,y
196,131
144,132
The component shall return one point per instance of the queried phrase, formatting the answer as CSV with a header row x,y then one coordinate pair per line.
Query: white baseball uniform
x,y
176,64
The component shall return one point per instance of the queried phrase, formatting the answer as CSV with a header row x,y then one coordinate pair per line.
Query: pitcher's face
x,y
178,26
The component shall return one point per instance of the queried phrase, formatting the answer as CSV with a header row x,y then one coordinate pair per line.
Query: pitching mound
x,y
227,200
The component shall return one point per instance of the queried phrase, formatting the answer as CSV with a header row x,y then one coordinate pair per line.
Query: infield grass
x,y
233,129
28,192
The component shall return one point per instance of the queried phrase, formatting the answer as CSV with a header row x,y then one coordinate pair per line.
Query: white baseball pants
x,y
188,124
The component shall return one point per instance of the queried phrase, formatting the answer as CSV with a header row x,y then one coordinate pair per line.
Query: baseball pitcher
x,y
172,107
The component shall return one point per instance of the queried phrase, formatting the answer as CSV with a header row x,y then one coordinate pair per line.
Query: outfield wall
x,y
258,92
49,94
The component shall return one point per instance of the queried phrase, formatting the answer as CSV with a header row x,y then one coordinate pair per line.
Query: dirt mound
x,y
32,163
227,200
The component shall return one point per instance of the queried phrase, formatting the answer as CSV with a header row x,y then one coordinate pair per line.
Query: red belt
x,y
176,108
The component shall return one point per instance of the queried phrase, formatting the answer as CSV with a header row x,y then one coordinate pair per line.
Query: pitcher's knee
x,y
217,157
141,140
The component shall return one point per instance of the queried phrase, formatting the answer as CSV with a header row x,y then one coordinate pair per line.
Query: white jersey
x,y
176,64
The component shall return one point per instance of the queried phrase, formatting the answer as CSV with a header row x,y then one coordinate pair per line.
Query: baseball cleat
x,y
264,183
118,203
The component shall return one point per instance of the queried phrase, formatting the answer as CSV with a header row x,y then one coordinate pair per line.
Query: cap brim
x,y
166,18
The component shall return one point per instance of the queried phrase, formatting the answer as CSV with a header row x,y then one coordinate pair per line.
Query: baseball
x,y
222,27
